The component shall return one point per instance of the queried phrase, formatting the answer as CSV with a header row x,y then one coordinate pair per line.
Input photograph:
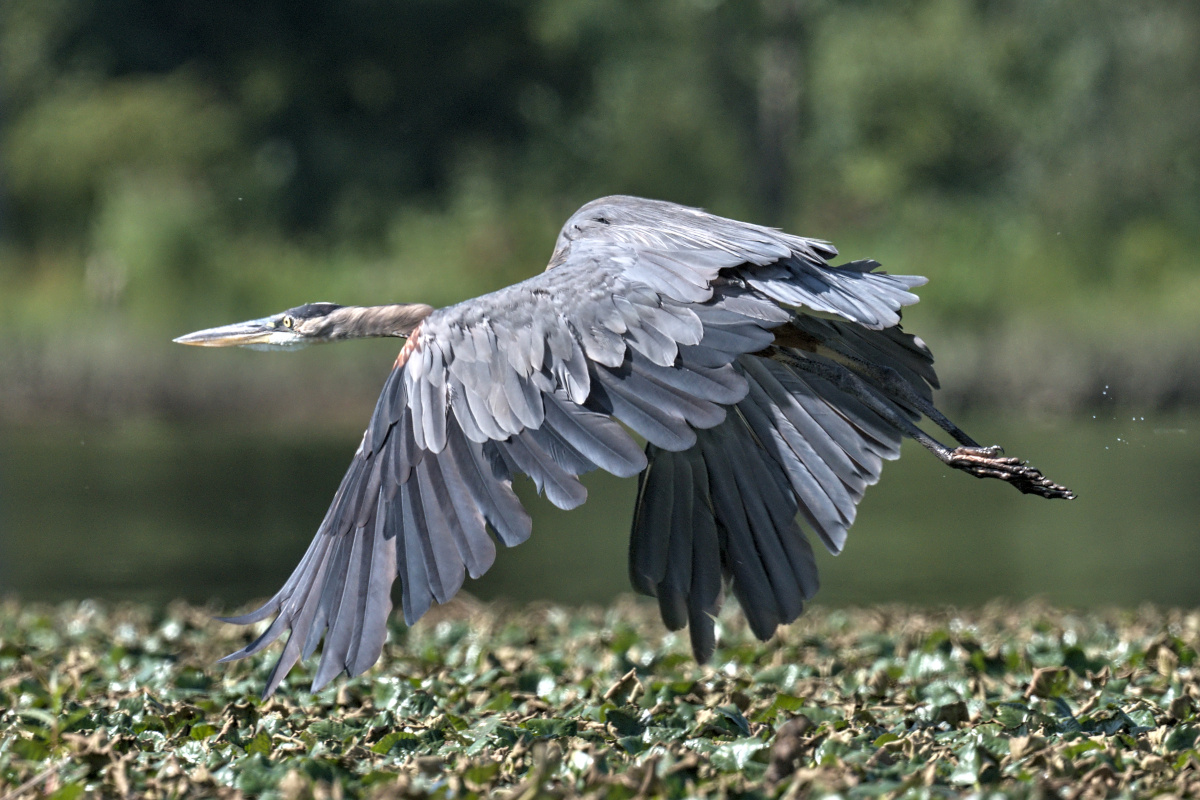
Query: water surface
x,y
155,512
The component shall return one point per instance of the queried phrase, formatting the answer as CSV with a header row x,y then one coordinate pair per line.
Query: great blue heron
x,y
684,326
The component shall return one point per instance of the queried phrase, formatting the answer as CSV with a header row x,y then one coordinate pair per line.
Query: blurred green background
x,y
167,166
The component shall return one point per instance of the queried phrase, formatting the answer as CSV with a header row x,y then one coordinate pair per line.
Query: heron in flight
x,y
769,387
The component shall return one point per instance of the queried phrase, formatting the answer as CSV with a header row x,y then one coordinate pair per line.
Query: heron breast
x,y
409,348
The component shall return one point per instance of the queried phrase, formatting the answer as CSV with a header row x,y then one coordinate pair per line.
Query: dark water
x,y
154,512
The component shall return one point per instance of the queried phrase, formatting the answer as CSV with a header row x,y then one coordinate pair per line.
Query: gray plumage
x,y
688,329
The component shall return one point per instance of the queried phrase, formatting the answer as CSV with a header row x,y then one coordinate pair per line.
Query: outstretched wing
x,y
680,251
795,445
640,319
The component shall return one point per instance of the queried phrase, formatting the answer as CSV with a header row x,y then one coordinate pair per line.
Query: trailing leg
x,y
882,389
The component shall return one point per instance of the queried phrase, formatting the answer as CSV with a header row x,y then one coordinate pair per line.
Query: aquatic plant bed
x,y
476,701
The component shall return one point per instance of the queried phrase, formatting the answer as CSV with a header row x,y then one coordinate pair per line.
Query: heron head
x,y
288,330
313,323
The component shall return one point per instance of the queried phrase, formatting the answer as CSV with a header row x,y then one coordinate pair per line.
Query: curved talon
x,y
991,451
985,462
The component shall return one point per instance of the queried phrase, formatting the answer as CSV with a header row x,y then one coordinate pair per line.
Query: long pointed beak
x,y
256,331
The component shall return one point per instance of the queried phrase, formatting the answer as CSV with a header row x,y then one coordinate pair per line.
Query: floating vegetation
x,y
476,701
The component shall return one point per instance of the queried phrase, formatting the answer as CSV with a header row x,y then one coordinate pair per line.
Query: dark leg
x,y
896,388
982,462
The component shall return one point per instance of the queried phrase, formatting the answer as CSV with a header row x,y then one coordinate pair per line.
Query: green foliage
x,y
1034,159
1024,701
66,150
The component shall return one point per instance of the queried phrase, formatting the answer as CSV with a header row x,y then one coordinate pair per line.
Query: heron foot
x,y
988,462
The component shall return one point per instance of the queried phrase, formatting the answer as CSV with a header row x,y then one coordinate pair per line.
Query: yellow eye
x,y
288,322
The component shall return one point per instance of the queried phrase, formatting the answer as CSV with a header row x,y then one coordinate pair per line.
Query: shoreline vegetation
x,y
160,174
545,701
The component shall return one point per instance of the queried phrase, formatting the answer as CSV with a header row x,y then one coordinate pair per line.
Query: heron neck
x,y
359,322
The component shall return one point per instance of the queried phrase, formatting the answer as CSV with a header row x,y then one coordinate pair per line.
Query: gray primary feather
x,y
652,315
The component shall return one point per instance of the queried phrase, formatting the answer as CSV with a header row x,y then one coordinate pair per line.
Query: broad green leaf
x,y
260,744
